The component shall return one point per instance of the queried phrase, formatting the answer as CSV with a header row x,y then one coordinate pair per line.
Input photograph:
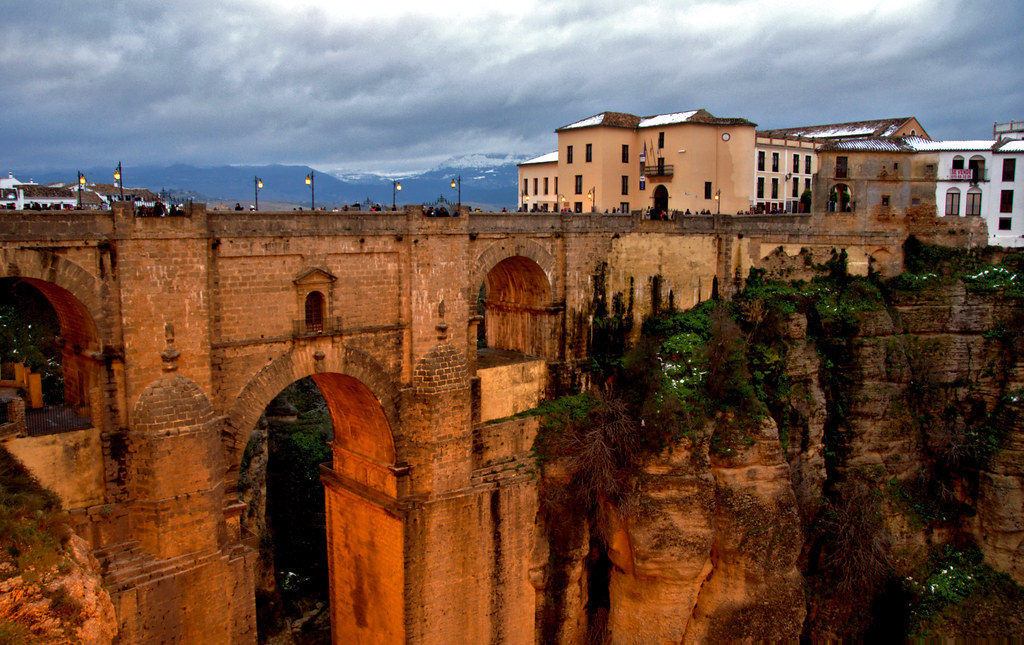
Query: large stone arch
x,y
76,294
505,249
306,360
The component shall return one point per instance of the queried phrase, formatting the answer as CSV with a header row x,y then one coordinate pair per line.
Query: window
x,y
807,184
315,312
953,201
578,207
534,185
661,140
556,185
579,184
760,159
526,186
796,163
885,200
625,153
775,187
623,207
545,185
958,163
1005,224
775,162
807,164
974,203
796,187
1009,169
895,166
841,163
977,167
625,184
1006,201
590,152
760,187
707,189
568,154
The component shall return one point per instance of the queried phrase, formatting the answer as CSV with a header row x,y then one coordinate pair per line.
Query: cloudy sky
x,y
401,86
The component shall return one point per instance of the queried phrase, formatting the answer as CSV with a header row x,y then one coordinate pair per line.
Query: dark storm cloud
x,y
393,87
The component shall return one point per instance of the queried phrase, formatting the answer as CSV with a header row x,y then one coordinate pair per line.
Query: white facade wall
x,y
957,190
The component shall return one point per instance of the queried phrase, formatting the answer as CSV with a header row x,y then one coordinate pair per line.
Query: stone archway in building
x,y
660,200
70,384
517,298
365,530
517,287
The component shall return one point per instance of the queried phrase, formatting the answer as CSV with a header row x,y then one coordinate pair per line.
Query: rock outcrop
x,y
63,603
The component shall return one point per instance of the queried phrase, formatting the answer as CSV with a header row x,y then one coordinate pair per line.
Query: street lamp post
x,y
562,198
457,182
592,195
526,203
81,184
718,201
257,184
117,177
395,187
312,199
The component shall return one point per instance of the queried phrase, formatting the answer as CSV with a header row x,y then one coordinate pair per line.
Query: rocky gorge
x,y
830,458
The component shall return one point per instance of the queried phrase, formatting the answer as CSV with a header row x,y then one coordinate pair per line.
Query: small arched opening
x,y
840,199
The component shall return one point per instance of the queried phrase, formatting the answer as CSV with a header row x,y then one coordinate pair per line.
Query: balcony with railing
x,y
973,175
659,169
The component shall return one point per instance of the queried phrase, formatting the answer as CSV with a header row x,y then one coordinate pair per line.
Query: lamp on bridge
x,y
395,187
257,183
526,201
117,178
718,200
563,202
592,196
458,182
309,182
81,184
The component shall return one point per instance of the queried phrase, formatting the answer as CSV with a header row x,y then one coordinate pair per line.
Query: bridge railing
x,y
54,419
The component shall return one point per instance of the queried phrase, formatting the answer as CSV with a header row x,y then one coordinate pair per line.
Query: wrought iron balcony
x,y
658,170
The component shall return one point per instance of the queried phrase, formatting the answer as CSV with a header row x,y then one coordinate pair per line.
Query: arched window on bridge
x,y
314,312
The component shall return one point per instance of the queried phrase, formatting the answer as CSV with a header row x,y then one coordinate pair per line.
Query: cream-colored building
x,y
786,159
667,163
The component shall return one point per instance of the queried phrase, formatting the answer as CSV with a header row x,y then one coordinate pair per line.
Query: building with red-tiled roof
x,y
614,161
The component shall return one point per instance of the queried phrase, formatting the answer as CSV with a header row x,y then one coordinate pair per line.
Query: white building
x,y
981,178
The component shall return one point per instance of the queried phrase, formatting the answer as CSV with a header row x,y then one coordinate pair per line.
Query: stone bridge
x,y
178,331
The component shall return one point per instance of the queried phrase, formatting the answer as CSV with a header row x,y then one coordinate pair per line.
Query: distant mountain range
x,y
488,182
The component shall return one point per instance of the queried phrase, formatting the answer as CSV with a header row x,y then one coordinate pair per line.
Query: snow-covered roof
x,y
1011,146
550,157
926,145
875,128
666,119
867,144
624,120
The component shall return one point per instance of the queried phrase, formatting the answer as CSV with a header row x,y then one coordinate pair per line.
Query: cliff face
x,y
61,603
901,432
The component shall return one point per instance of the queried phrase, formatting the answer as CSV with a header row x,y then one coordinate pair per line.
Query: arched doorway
x,y
361,533
660,201
840,199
